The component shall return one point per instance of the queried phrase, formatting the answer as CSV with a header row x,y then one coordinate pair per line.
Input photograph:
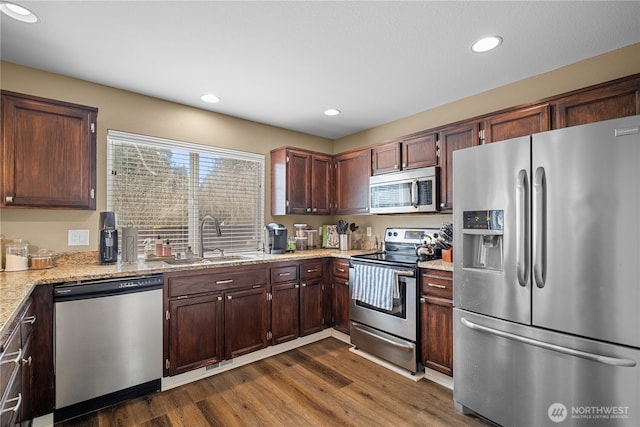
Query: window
x,y
166,188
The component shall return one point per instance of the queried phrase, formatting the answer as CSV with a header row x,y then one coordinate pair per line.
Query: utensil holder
x,y
345,242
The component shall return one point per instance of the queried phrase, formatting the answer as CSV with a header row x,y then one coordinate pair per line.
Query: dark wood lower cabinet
x,y
246,321
341,306
436,320
190,349
437,334
341,294
311,306
285,309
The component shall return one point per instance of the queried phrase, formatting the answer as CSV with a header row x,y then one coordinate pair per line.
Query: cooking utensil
x,y
342,227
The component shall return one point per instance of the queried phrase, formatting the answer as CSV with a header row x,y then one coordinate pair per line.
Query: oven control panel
x,y
408,235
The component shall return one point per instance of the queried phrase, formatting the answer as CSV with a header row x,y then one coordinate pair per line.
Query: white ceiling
x,y
284,62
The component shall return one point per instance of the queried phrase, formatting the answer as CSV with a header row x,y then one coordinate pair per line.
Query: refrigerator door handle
x,y
522,228
540,228
607,360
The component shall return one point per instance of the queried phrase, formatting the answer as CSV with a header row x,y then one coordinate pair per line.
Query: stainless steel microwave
x,y
404,192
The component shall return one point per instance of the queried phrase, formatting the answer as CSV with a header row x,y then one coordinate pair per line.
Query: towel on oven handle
x,y
376,286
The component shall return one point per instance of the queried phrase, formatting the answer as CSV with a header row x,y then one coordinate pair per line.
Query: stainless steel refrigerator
x,y
547,277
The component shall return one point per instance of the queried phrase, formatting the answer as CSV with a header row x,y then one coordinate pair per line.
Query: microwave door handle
x,y
414,193
522,228
540,228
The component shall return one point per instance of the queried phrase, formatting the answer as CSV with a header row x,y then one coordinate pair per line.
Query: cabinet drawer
x,y
10,359
340,268
311,270
212,280
437,283
286,273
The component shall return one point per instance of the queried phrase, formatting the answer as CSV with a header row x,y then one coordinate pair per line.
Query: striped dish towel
x,y
376,286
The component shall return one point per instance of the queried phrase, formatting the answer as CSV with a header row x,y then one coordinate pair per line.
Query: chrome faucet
x,y
218,233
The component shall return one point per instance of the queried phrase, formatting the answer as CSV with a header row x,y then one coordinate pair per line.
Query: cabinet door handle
x,y
304,285
346,282
224,282
26,361
313,270
30,319
8,199
284,274
341,270
436,286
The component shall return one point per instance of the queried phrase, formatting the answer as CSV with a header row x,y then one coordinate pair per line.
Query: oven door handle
x,y
404,347
407,273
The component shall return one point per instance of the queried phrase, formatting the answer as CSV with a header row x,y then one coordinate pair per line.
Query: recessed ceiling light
x,y
487,43
18,12
331,112
210,98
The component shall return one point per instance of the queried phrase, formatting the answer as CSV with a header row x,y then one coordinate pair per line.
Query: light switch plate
x,y
78,238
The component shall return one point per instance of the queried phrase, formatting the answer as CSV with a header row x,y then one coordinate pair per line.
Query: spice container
x,y
17,258
42,259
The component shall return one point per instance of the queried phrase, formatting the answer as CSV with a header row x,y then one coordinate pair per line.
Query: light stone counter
x,y
436,265
16,286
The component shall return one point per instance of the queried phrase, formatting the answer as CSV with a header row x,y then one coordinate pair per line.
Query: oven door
x,y
401,320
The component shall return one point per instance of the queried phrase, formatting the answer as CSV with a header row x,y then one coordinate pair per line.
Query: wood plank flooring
x,y
321,384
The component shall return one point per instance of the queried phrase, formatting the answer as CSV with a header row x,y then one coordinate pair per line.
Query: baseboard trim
x,y
197,374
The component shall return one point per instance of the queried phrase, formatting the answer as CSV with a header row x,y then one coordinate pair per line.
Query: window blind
x,y
166,188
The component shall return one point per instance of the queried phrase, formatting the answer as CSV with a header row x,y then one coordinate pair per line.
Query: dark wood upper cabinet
x,y
386,158
321,180
411,152
48,153
300,182
449,140
419,151
513,124
353,170
603,102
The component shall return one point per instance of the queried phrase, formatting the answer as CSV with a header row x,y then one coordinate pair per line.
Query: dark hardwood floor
x,y
321,384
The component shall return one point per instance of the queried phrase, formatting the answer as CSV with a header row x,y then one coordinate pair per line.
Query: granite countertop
x,y
16,286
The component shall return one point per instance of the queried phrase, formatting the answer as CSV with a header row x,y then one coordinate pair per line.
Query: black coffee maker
x,y
108,238
275,239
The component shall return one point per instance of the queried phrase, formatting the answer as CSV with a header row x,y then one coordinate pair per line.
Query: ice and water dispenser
x,y
483,233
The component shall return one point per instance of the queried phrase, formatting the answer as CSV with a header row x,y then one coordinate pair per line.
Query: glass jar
x,y
17,258
42,259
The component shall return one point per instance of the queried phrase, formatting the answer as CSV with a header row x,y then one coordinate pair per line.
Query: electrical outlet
x,y
78,238
368,231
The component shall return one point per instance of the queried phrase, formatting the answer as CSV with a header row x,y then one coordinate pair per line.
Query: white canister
x,y
17,257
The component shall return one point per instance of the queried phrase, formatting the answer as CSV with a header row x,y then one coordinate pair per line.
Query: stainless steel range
x,y
384,297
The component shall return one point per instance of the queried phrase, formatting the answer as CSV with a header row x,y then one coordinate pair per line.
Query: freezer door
x,y
586,230
493,177
517,375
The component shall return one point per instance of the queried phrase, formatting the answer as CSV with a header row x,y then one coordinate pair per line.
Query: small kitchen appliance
x,y
108,238
275,239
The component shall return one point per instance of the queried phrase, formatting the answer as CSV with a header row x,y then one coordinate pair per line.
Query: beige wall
x,y
130,112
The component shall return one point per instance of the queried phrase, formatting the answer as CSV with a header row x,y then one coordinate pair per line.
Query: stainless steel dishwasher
x,y
108,342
